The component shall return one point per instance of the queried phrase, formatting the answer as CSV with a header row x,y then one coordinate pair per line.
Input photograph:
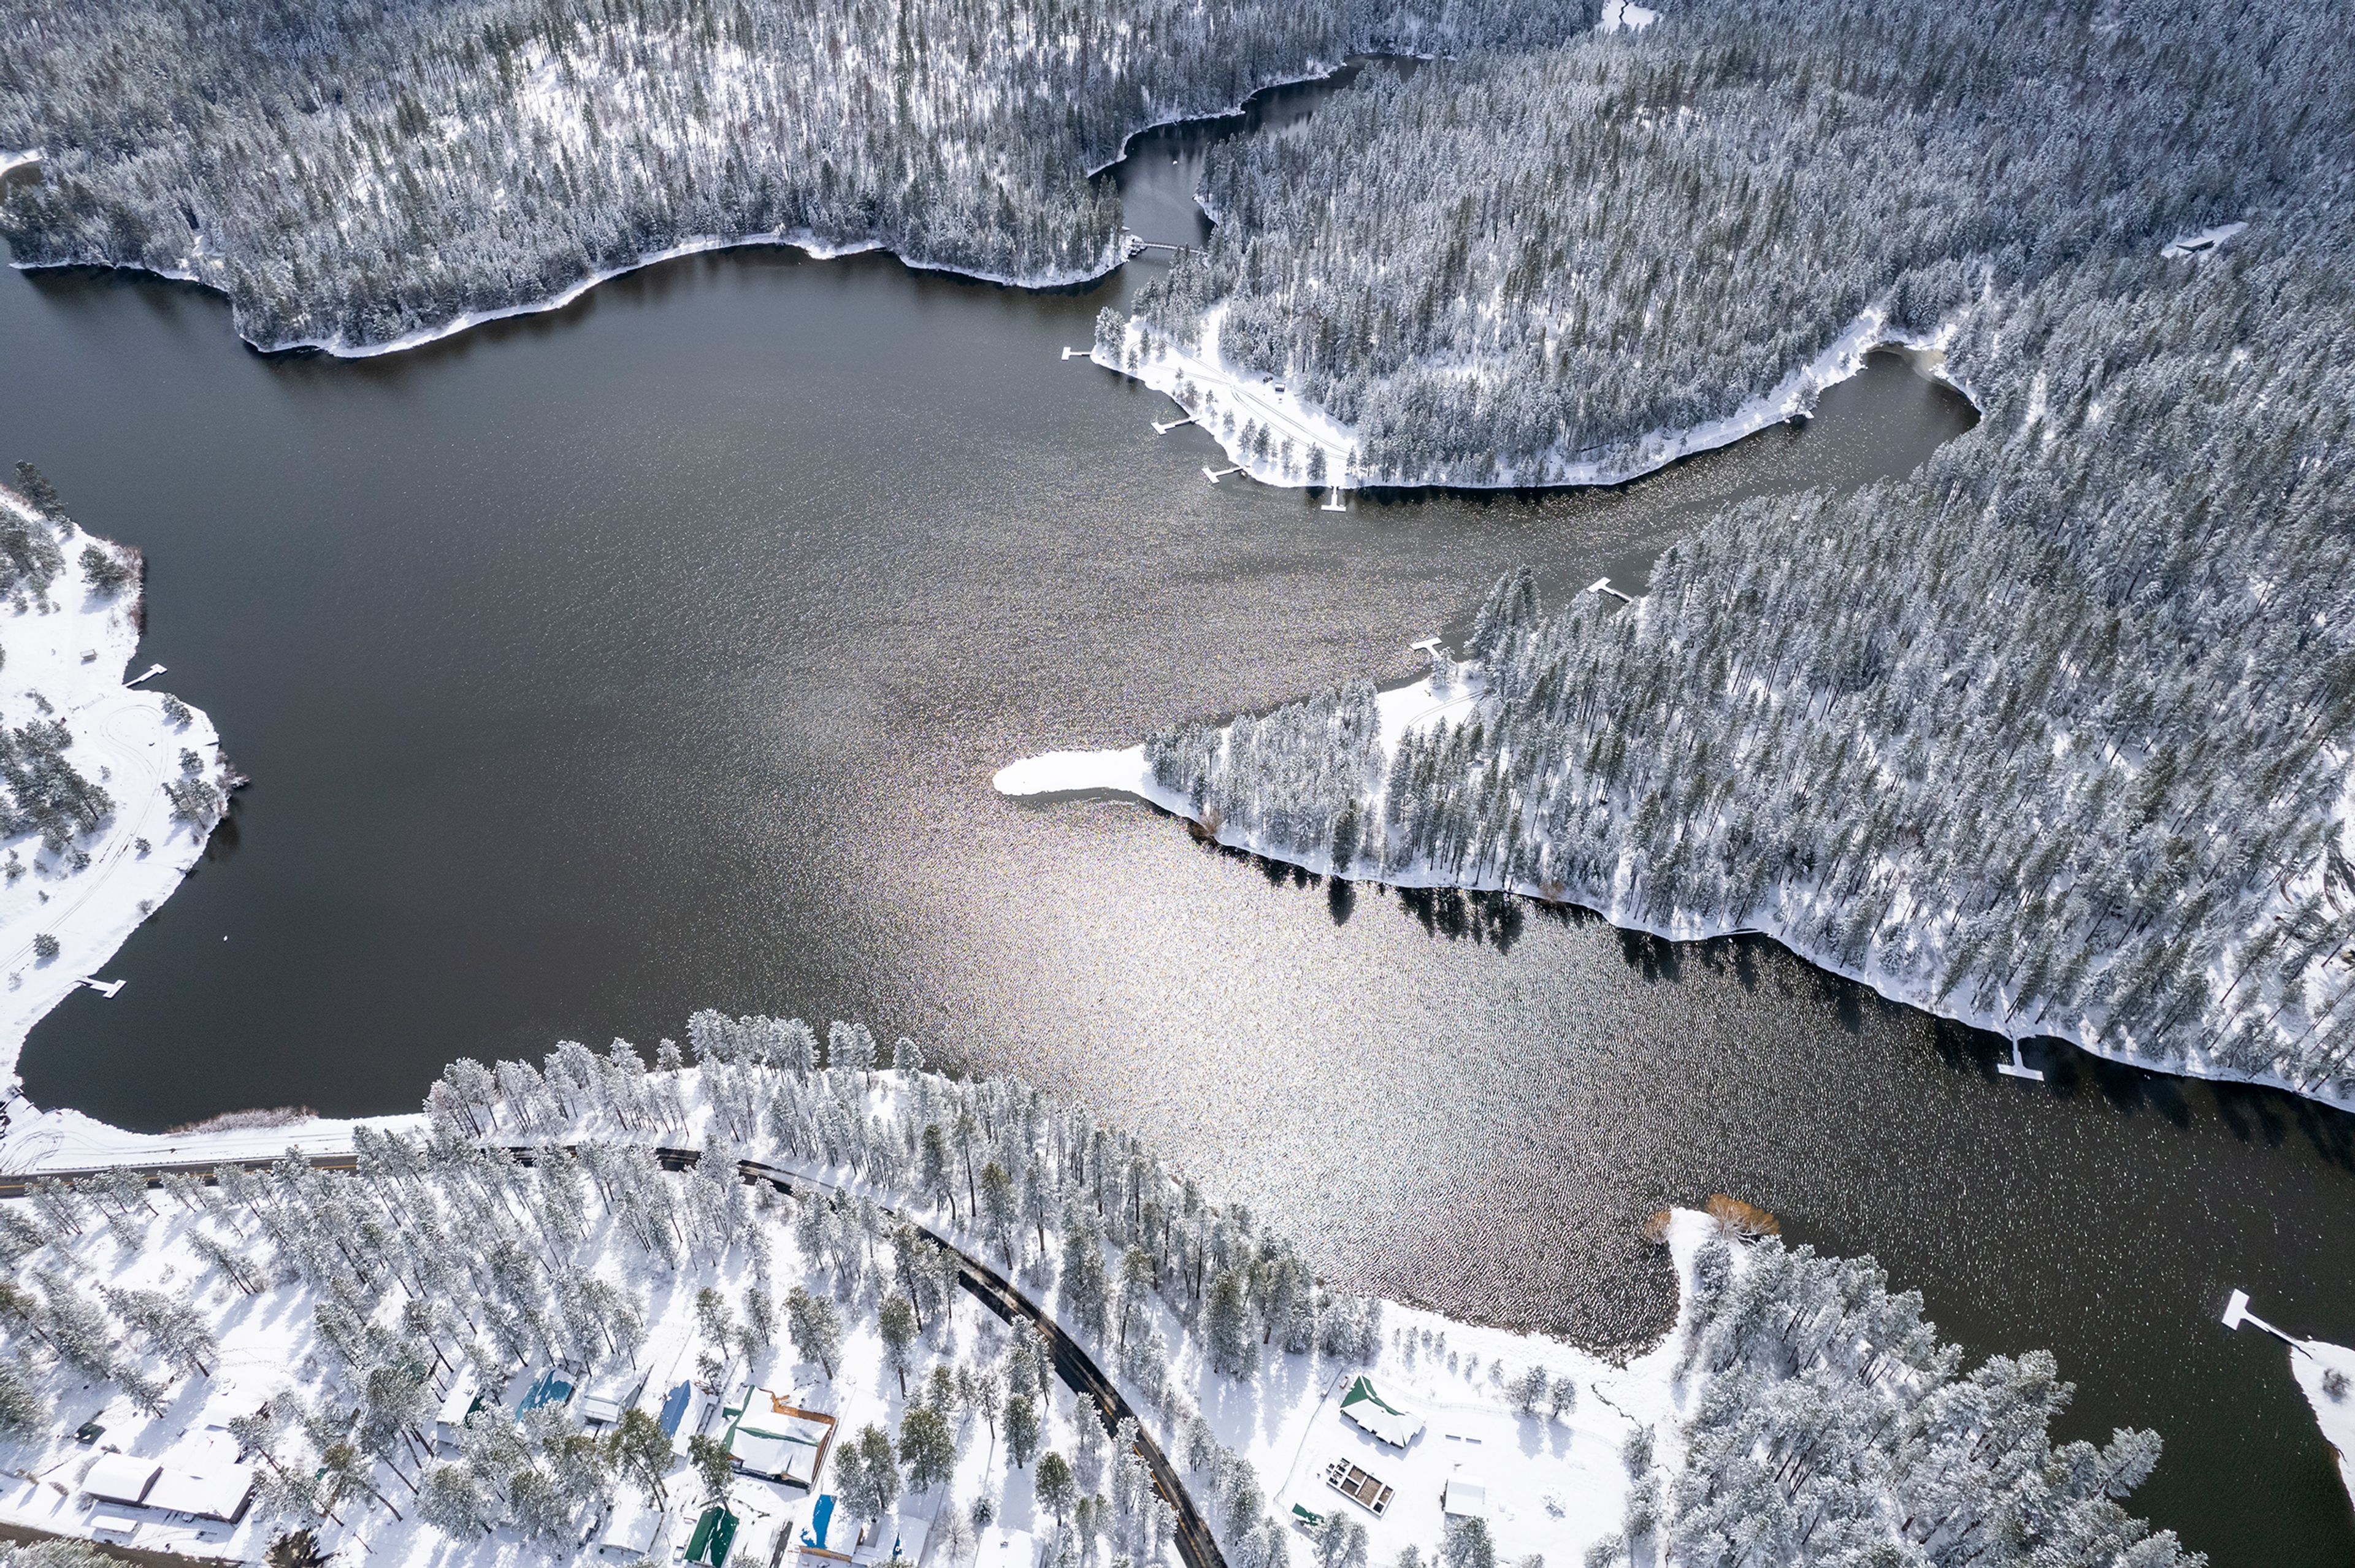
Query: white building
x,y
1466,1496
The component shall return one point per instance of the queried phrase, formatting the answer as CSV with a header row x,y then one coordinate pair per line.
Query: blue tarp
x,y
546,1389
821,1516
675,1408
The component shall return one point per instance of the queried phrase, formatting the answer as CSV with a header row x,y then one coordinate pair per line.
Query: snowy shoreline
x,y
802,240
68,666
1220,390
1416,706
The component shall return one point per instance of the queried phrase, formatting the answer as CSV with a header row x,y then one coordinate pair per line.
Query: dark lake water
x,y
657,653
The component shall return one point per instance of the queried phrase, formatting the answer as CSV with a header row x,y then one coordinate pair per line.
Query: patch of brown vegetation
x,y
1736,1218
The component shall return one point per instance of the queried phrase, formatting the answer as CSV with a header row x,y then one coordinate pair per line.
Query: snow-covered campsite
x,y
720,1313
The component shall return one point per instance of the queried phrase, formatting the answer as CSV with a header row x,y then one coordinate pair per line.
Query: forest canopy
x,y
351,172
2052,734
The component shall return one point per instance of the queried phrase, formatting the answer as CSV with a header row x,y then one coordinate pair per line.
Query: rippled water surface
x,y
657,653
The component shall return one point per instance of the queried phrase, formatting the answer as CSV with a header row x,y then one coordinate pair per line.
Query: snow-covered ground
x,y
1795,922
1404,710
1554,1482
2313,1363
66,663
1229,402
12,161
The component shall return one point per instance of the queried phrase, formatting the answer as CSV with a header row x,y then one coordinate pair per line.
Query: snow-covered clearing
x,y
1618,13
2207,239
63,657
1232,405
11,162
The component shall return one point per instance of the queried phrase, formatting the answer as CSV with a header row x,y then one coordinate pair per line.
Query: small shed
x,y
1466,1496
464,1399
1384,1421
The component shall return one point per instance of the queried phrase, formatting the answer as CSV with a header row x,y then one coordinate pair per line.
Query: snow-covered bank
x,y
1304,447
823,250
11,162
1405,709
2327,1374
1797,918
66,907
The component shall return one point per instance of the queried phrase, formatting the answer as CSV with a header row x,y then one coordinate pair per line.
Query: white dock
x,y
1215,474
2236,1312
1070,353
103,987
1428,645
1160,429
2015,1067
1333,501
150,673
1603,585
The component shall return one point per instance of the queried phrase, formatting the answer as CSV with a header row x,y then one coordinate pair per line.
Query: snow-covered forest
x,y
1510,268
2052,735
306,1325
1831,1425
352,174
